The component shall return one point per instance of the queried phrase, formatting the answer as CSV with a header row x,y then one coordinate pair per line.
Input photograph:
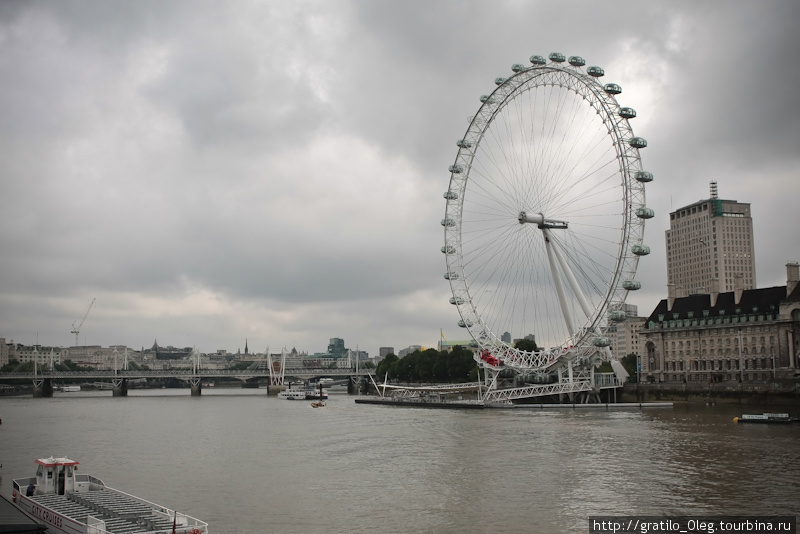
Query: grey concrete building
x,y
709,245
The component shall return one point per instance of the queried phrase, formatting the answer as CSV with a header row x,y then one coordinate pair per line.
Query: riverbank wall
x,y
783,392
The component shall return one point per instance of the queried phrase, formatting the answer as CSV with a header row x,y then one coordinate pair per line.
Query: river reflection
x,y
248,463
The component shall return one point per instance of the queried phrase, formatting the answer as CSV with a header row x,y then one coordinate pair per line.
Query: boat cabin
x,y
54,476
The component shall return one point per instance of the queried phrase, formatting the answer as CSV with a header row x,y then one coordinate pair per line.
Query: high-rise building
x,y
710,247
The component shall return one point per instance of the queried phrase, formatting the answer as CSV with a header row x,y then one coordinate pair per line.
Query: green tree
x,y
385,364
10,367
630,364
459,364
528,345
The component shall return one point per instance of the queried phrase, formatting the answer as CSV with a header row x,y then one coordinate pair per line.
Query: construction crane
x,y
77,329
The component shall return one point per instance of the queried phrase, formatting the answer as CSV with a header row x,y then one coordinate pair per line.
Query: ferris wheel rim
x,y
572,79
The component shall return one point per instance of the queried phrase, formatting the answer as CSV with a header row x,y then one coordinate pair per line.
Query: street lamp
x,y
741,360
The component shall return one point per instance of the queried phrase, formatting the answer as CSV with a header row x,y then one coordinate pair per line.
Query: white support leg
x,y
557,282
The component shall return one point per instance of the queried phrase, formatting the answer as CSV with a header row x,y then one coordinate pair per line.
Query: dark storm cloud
x,y
209,169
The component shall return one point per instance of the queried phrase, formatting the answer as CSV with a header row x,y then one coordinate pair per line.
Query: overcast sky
x,y
212,172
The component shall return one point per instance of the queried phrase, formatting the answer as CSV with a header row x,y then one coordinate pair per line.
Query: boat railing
x,y
21,484
181,520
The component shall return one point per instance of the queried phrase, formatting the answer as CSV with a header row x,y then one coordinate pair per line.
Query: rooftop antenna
x,y
714,194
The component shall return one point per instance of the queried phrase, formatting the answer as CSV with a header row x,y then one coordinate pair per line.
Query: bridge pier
x,y
43,387
197,386
120,387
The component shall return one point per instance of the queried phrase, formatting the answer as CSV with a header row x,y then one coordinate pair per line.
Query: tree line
x,y
431,365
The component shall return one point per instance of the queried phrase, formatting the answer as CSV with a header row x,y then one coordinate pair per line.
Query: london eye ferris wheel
x,y
545,211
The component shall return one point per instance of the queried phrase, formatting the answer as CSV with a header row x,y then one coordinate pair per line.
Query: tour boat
x,y
82,504
293,394
303,394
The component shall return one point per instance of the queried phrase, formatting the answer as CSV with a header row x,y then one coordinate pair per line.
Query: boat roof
x,y
51,462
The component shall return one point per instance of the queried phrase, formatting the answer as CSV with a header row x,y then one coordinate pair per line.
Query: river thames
x,y
248,463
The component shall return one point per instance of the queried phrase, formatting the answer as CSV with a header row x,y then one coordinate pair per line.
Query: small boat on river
x,y
71,503
765,418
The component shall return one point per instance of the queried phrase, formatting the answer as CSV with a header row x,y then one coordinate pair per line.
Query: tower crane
x,y
77,329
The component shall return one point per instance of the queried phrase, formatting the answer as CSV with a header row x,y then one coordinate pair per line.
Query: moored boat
x,y
71,503
764,418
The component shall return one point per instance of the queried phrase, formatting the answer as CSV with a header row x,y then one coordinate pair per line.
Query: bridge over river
x,y
43,380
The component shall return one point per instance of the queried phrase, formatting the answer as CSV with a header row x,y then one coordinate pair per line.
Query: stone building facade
x,y
745,335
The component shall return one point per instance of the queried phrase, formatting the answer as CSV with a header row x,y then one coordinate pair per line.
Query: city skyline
x,y
214,173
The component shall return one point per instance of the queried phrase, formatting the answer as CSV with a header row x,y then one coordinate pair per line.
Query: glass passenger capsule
x,y
448,249
464,324
448,222
638,142
455,169
456,301
612,88
463,143
595,72
644,176
451,276
617,316
517,67
576,61
537,60
487,98
627,113
450,195
499,80
601,341
557,57
645,213
640,250
631,285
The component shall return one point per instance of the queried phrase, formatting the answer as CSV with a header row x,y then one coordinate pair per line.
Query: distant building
x,y
408,350
747,335
3,352
506,337
710,243
384,352
624,335
448,345
28,353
